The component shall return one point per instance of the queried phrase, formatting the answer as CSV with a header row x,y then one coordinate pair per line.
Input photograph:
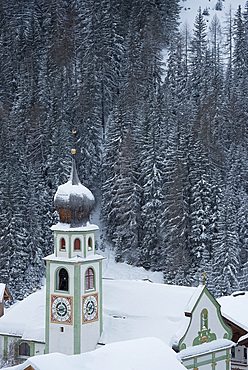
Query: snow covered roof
x,y
64,191
132,310
142,354
26,318
234,308
194,298
67,227
209,347
136,309
73,201
2,289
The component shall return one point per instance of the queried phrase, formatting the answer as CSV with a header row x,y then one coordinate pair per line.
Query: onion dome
x,y
73,201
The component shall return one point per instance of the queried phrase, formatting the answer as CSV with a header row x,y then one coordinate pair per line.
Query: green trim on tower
x,y
84,236
55,280
5,348
70,245
55,245
94,243
77,311
73,262
100,293
32,349
47,320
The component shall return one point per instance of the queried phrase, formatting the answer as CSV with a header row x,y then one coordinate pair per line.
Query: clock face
x,y
61,309
90,308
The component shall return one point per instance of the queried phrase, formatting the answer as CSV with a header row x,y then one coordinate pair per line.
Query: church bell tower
x,y
74,274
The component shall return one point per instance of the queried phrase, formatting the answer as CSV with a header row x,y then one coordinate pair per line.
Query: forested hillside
x,y
164,150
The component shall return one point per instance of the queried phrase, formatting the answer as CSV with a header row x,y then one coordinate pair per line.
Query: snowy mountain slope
x,y
190,8
123,271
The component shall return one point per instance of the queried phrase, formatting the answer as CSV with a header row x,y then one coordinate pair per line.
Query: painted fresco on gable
x,y
204,335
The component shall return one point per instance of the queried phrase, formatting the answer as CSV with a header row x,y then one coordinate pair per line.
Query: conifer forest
x,y
163,146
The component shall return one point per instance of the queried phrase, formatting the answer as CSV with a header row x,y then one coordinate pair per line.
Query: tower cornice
x,y
67,228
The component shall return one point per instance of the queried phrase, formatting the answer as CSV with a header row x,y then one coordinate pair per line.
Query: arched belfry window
x,y
89,279
62,280
24,349
62,244
77,245
90,244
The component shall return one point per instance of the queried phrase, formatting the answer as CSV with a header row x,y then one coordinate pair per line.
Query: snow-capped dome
x,y
73,201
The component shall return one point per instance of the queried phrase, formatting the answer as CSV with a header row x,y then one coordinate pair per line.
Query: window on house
x,y
62,244
77,245
89,279
62,280
24,349
204,319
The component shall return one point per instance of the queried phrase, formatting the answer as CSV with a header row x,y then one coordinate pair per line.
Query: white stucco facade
x,y
79,332
207,341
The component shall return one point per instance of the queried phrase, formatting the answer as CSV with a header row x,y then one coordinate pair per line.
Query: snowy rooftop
x,y
136,309
2,289
234,308
73,186
132,310
64,191
142,354
205,348
67,227
73,201
26,318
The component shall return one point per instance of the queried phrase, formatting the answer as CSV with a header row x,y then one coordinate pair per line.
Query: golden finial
x,y
73,151
204,277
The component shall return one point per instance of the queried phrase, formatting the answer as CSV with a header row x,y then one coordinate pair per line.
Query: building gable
x,y
206,323
4,296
